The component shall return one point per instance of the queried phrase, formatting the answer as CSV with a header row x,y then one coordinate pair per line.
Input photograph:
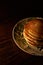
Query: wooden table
x,y
10,54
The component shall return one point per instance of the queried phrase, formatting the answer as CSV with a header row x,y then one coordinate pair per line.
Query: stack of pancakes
x,y
33,33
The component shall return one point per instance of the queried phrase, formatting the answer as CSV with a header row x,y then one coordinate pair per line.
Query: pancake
x,y
33,33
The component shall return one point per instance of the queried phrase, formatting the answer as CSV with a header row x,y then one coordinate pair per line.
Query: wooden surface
x,y
10,54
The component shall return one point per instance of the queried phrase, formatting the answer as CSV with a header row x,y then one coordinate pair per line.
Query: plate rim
x,y
16,41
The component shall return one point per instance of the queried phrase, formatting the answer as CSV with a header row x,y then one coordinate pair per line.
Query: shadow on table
x,y
34,60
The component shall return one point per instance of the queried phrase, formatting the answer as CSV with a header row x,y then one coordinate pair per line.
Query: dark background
x,y
20,9
10,13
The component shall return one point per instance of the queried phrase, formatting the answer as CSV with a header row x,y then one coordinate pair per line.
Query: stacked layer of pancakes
x,y
33,33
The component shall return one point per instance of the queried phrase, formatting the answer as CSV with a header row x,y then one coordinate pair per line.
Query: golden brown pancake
x,y
33,32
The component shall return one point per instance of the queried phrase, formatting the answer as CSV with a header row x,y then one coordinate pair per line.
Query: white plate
x,y
19,40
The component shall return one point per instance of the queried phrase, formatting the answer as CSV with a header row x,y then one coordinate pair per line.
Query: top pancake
x,y
35,27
